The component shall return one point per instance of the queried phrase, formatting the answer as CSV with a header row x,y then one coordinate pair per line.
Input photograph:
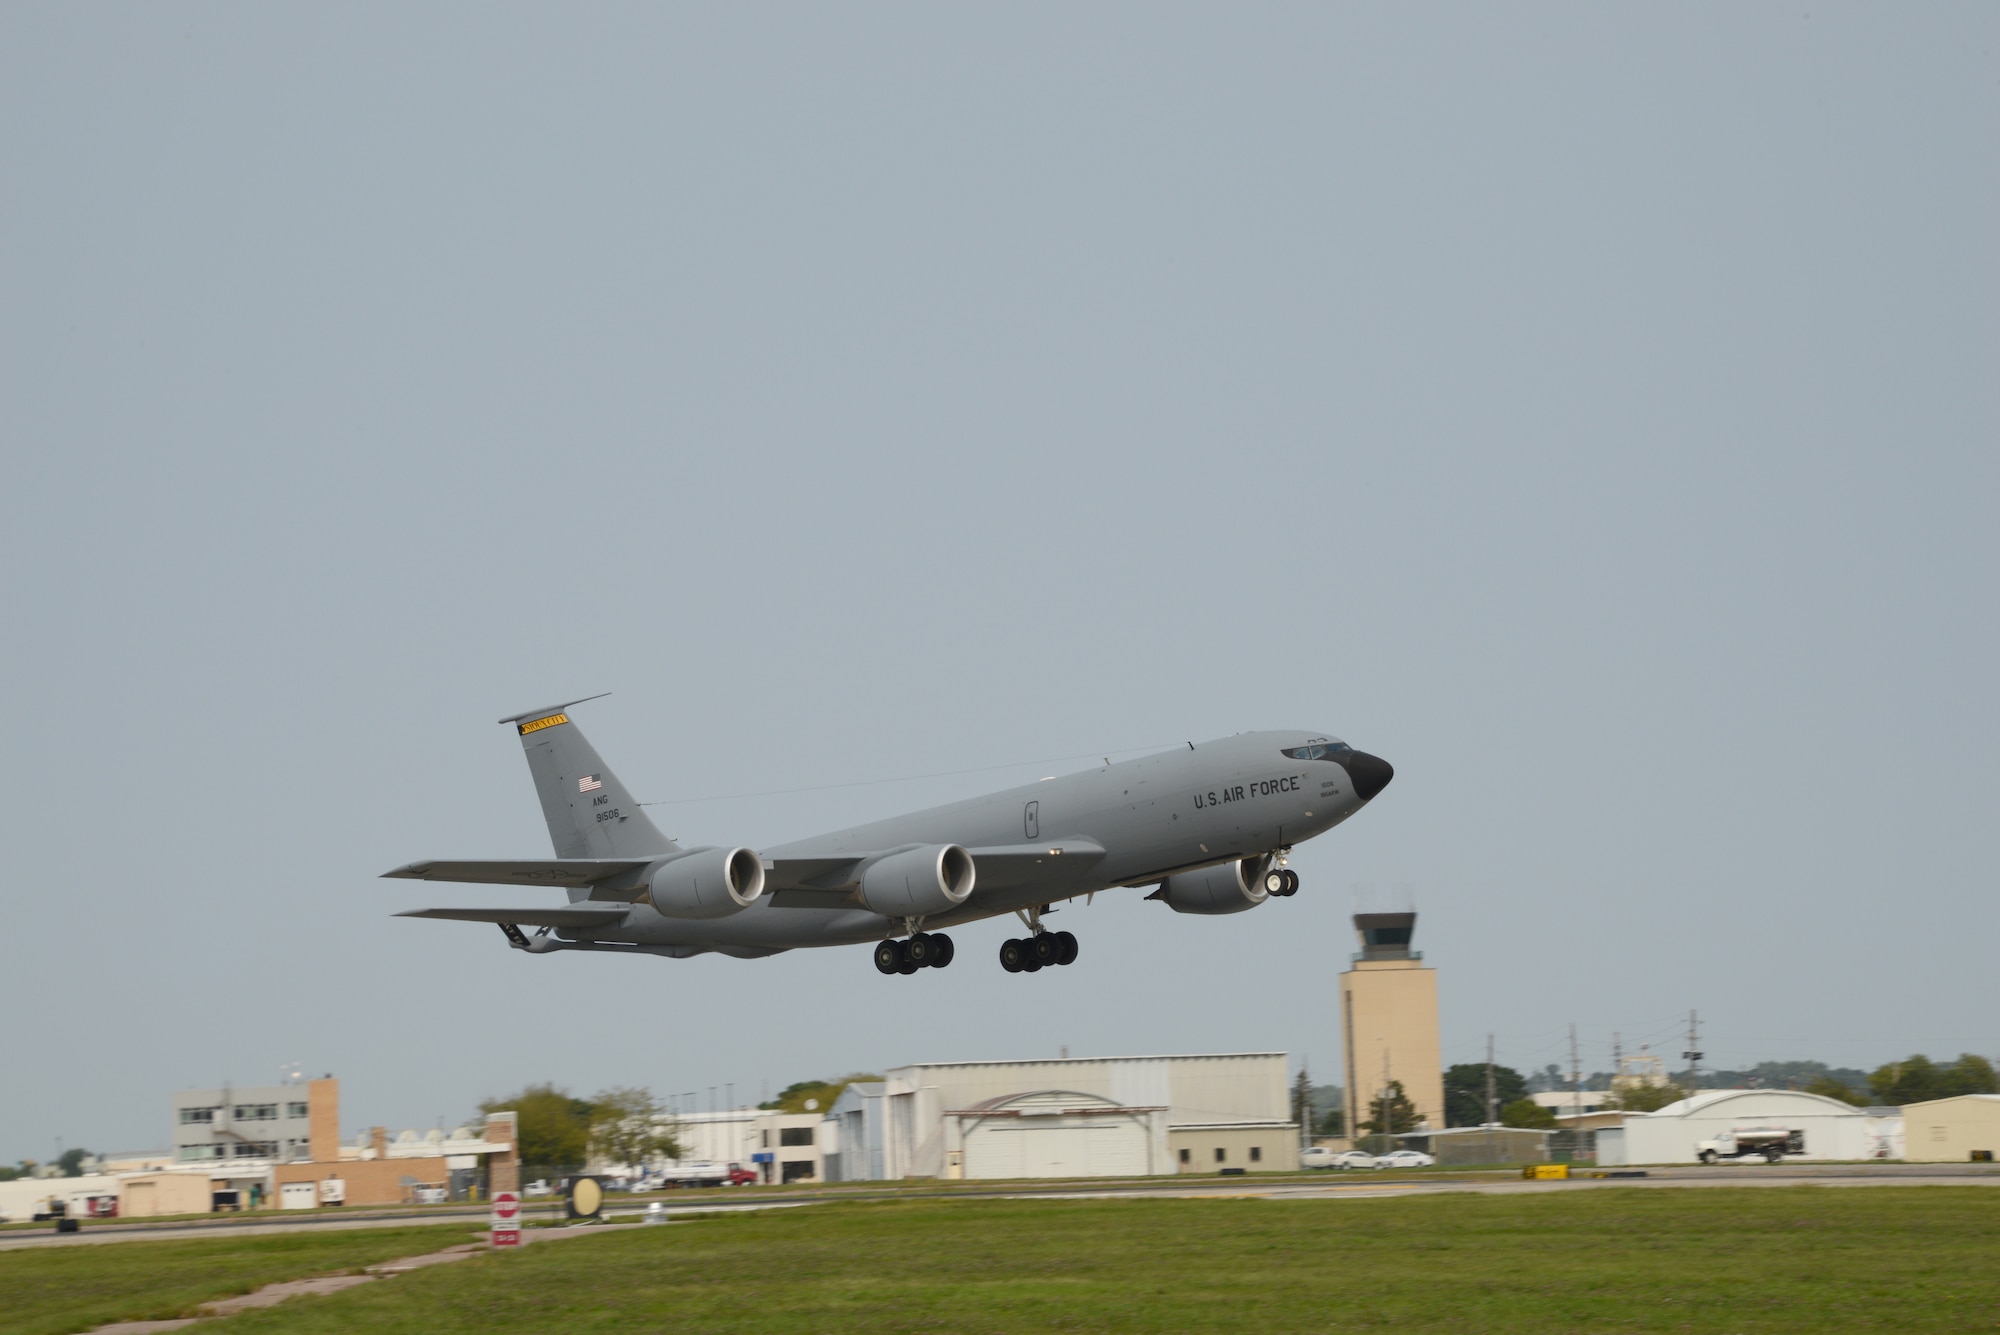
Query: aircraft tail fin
x,y
591,814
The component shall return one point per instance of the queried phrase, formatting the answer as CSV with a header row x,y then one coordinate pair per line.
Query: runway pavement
x,y
1361,1185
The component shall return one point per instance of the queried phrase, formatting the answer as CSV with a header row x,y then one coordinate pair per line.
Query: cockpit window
x,y
1321,750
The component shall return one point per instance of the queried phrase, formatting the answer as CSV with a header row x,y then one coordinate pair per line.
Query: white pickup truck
x,y
1769,1143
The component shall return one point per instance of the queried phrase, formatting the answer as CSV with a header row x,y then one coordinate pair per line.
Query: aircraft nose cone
x,y
1371,774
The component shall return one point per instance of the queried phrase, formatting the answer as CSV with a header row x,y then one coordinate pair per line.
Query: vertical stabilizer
x,y
591,814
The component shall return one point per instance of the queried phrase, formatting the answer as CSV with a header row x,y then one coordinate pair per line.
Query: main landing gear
x,y
924,950
1043,950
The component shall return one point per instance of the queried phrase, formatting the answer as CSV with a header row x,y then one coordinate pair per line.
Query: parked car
x,y
1318,1156
1354,1159
1404,1159
538,1187
429,1195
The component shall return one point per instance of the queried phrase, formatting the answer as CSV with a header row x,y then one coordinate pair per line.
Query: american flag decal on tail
x,y
589,783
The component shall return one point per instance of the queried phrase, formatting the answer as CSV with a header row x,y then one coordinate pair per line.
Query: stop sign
x,y
507,1206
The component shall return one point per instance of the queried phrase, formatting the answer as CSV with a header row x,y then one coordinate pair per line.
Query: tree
x,y
553,1128
1526,1112
793,1097
71,1162
1645,1098
9,1172
1918,1079
1302,1100
1465,1091
1829,1087
1391,1112
631,1127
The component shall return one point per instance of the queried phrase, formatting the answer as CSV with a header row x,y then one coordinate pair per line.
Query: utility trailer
x,y
1769,1143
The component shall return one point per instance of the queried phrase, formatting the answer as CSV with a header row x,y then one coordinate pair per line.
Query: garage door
x,y
1056,1147
299,1195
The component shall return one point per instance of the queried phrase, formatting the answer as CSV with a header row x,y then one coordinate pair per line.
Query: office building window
x,y
1256,1154
1221,1155
190,1115
795,1135
295,1110
1185,1156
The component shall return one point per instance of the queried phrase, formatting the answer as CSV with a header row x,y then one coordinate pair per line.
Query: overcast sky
x,y
1591,409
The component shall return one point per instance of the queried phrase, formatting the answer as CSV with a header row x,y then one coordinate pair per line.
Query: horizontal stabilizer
x,y
566,872
577,915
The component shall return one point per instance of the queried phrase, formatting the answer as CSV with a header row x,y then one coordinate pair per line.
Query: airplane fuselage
x,y
1155,816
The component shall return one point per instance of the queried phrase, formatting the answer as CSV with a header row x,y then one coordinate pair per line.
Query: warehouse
x,y
1826,1128
1068,1117
1965,1129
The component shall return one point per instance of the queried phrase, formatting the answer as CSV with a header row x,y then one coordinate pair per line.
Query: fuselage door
x,y
1031,820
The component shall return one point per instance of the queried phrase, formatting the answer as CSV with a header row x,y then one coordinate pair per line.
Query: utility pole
x,y
1492,1099
1694,1054
1575,1078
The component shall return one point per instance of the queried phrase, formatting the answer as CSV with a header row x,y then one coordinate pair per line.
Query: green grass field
x,y
57,1290
1608,1262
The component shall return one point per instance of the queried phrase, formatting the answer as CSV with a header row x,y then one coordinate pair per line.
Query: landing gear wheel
x,y
1044,949
910,964
1065,948
1012,957
918,950
1291,883
941,950
889,957
1274,883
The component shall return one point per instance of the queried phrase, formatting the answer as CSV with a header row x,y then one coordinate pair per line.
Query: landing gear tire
x,y
942,950
1065,948
1291,883
1044,949
1274,883
889,956
919,950
1012,957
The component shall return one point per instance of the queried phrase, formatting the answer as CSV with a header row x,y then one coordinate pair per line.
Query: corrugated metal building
x,y
1956,1130
1829,1128
1069,1117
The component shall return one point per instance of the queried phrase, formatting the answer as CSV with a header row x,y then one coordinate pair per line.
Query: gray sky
x,y
1591,409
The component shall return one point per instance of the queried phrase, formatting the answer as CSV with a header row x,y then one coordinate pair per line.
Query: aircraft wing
x,y
829,882
565,872
570,915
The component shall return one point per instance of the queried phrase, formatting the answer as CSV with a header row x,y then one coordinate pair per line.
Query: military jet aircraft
x,y
1210,828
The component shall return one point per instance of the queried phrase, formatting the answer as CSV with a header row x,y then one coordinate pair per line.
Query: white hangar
x,y
1826,1128
1070,1117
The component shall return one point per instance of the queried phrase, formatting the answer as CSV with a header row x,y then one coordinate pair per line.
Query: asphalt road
x,y
1362,1185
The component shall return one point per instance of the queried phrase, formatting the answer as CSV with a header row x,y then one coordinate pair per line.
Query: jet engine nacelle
x,y
707,883
918,881
1229,888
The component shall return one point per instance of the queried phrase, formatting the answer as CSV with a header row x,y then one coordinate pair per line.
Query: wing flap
x,y
1013,865
569,916
569,873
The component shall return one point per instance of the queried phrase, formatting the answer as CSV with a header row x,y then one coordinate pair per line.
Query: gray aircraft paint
x,y
1128,824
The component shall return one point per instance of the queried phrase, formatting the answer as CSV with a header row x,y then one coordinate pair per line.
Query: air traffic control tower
x,y
1389,1021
